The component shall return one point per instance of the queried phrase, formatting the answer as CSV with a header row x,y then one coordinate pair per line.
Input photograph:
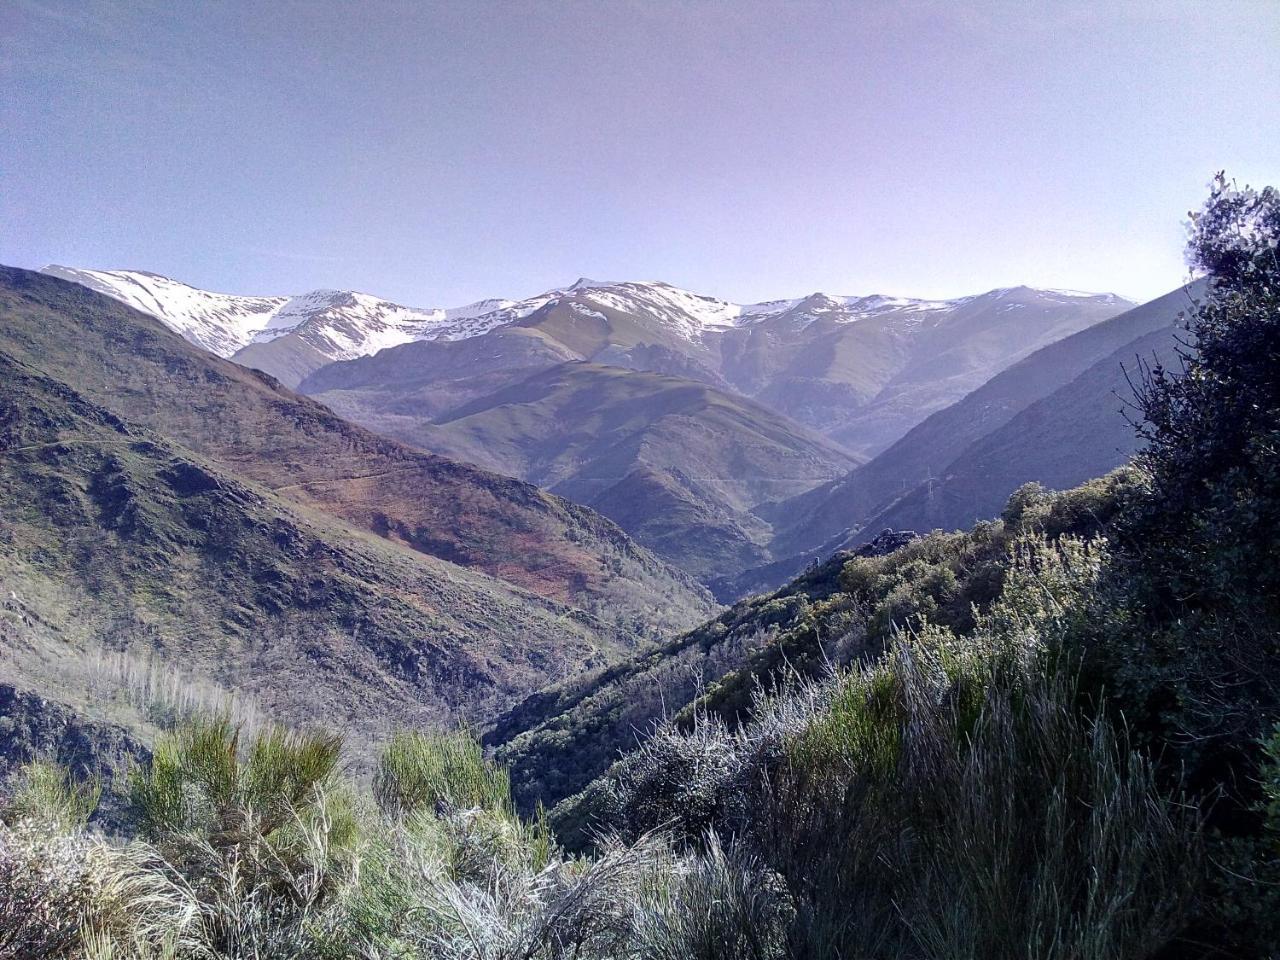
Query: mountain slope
x,y
643,448
432,377
220,322
843,609
862,370
808,521
287,337
134,367
1077,432
114,539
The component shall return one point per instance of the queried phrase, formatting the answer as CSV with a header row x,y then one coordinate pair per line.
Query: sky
x,y
439,153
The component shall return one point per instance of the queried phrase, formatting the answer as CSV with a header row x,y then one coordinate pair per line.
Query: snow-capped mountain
x,y
222,323
754,348
341,324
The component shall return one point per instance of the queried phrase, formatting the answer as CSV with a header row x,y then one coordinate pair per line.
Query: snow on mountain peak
x,y
586,283
343,324
219,322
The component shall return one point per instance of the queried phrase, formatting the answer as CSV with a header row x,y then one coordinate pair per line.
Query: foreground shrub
x,y
264,837
722,905
437,770
950,801
76,895
1185,639
43,792
45,889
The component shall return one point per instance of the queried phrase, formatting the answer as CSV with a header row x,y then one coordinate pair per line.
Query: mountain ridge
x,y
677,463
250,424
341,325
960,464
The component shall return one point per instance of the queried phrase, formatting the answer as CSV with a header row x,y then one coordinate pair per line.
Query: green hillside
x,y
677,464
840,611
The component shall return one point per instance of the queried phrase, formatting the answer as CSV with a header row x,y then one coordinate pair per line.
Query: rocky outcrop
x,y
886,541
35,728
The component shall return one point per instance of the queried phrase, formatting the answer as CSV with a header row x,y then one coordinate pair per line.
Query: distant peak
x,y
1025,291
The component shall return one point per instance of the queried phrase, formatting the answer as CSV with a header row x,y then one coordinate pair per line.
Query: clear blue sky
x,y
436,153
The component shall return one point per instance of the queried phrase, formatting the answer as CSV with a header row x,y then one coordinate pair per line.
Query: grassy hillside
x,y
117,542
842,610
132,366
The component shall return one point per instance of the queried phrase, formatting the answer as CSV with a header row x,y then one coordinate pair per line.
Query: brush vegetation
x,y
1054,736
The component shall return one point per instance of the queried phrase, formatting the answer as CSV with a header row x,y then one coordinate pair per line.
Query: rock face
x,y
35,728
886,541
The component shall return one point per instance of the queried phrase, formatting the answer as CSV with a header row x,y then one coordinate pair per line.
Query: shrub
x,y
45,889
1185,638
949,801
435,770
675,781
723,905
1197,652
46,793
265,838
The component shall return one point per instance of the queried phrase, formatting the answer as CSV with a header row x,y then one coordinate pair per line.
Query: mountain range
x,y
1054,418
686,419
862,370
526,498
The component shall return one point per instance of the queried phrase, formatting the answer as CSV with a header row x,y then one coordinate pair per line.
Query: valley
x,y
692,422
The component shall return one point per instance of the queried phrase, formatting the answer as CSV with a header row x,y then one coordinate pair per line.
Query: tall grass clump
x,y
419,770
263,835
68,893
724,904
45,793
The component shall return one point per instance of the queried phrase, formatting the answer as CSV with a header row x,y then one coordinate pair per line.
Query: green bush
x,y
950,801
45,793
265,836
1184,638
430,771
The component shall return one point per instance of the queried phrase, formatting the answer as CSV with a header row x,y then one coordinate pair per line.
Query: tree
x,y
1191,646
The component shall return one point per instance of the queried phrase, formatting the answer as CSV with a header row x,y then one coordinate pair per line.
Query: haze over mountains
x,y
685,418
